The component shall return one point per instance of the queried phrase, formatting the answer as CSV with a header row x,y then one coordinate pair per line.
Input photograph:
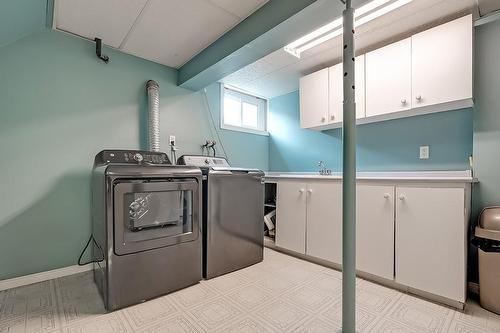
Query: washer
x,y
146,226
233,215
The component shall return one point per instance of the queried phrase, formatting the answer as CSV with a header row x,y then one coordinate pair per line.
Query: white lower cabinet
x,y
375,230
430,240
291,214
324,221
413,235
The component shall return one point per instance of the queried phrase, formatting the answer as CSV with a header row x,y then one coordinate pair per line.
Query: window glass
x,y
249,116
243,112
232,111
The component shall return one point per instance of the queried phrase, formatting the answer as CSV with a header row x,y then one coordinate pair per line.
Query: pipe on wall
x,y
153,89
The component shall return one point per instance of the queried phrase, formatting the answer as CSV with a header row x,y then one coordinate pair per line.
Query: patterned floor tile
x,y
364,319
251,297
29,308
422,315
310,298
476,317
247,325
78,298
110,323
194,295
179,323
281,294
317,325
390,326
150,312
216,313
226,283
282,316
375,298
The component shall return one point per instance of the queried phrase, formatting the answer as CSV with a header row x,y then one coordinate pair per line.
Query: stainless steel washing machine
x,y
233,215
146,226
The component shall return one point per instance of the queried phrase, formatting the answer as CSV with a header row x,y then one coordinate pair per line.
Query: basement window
x,y
243,112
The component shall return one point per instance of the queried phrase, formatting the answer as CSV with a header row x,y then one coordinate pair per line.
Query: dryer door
x,y
149,214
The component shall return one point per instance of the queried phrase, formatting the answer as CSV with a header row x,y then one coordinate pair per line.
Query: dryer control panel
x,y
203,161
130,157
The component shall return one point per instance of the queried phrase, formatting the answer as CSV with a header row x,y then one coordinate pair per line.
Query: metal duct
x,y
153,115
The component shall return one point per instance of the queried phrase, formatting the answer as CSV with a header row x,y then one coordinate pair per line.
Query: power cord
x,y
85,249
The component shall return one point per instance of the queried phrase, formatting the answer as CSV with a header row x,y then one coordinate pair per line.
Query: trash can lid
x,y
490,218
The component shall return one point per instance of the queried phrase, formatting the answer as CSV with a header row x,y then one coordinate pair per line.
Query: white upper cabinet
x,y
442,63
314,99
429,72
336,91
388,79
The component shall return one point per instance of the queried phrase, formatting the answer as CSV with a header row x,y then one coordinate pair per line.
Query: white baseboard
x,y
43,276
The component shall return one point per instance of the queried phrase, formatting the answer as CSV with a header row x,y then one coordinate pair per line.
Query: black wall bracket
x,y
98,52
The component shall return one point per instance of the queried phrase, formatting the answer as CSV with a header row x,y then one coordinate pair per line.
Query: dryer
x,y
233,215
146,226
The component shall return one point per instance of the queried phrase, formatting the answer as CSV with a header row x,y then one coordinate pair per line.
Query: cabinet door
x,y
336,90
291,216
442,63
313,90
324,221
375,230
430,240
388,79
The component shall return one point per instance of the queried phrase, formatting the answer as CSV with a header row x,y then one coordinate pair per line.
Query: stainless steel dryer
x,y
233,215
146,226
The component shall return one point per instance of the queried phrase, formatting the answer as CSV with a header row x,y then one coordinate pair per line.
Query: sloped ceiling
x,y
19,18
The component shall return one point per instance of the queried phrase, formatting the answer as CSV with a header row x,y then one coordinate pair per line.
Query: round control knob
x,y
138,157
207,161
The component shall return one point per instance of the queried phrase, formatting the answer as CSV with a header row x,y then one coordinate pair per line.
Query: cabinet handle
x,y
386,195
403,101
402,197
301,191
332,117
323,119
418,98
309,191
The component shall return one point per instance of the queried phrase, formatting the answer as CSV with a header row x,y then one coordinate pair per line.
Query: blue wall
x,y
59,106
384,146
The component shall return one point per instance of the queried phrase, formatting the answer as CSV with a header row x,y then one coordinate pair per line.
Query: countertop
x,y
438,176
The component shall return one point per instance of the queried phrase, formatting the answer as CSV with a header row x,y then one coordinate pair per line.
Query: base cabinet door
x,y
430,240
375,230
291,216
324,221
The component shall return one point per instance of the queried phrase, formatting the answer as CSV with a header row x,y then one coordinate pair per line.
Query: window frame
x,y
262,111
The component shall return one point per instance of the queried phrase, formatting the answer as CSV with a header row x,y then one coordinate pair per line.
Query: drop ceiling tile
x,y
488,6
172,32
109,20
240,8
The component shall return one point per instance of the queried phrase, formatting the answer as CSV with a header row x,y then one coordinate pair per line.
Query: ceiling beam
x,y
240,46
271,27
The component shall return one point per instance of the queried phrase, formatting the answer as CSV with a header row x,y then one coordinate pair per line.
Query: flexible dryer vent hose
x,y
153,115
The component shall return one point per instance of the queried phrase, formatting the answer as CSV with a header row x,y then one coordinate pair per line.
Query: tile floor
x,y
281,294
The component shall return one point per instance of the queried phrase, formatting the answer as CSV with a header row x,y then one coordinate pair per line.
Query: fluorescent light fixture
x,y
362,15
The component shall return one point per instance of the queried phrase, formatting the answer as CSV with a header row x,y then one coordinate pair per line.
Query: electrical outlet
x,y
171,140
424,152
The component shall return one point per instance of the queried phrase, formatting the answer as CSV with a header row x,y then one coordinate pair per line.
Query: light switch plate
x,y
424,152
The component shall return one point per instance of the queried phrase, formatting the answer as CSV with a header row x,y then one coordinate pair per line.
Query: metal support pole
x,y
349,177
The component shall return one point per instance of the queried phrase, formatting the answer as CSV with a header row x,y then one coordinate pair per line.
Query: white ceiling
x,y
279,72
169,32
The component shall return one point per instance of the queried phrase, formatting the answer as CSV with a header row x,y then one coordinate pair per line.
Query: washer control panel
x,y
131,157
203,161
